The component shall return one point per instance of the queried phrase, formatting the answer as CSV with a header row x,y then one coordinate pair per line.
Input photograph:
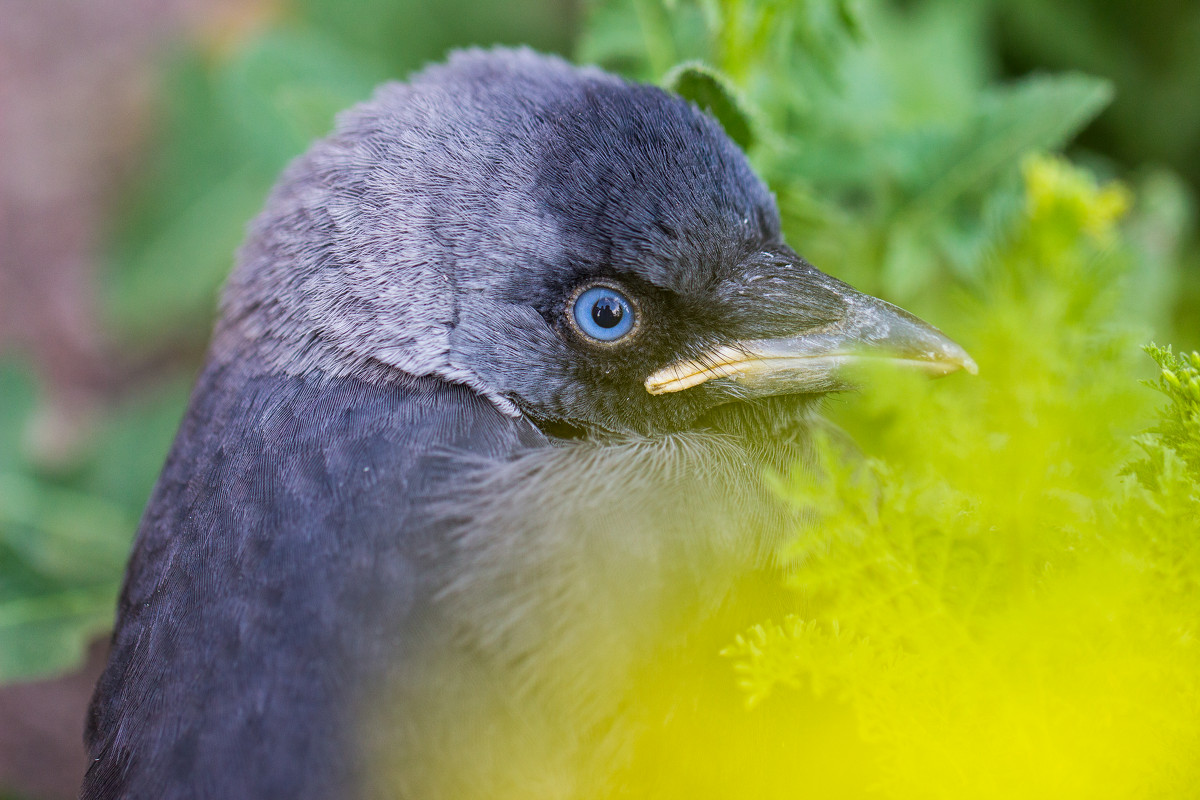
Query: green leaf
x,y
46,634
170,280
850,18
62,533
713,92
1039,113
610,39
62,554
16,401
908,264
284,90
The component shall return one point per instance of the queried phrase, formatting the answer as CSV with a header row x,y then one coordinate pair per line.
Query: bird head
x,y
581,250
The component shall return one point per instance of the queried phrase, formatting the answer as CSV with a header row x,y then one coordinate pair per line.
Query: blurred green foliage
x,y
1147,49
902,162
1150,51
64,534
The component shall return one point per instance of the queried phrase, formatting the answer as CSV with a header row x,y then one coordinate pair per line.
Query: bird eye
x,y
603,314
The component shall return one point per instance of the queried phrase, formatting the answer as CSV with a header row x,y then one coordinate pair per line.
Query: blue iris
x,y
603,314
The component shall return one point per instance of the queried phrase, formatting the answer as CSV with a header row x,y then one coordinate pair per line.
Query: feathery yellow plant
x,y
1004,602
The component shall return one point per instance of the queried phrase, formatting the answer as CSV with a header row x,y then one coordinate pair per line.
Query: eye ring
x,y
602,314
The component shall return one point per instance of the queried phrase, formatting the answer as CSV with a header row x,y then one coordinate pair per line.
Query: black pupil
x,y
607,312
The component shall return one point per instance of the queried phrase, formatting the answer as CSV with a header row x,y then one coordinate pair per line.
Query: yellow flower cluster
x,y
1061,195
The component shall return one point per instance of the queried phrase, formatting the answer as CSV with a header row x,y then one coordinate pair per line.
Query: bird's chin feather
x,y
783,416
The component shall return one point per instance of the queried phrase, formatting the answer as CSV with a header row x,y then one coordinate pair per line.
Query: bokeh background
x,y
137,137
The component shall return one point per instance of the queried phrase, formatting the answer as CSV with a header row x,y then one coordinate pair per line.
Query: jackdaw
x,y
477,456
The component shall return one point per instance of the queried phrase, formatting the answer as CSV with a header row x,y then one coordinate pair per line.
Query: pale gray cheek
x,y
511,349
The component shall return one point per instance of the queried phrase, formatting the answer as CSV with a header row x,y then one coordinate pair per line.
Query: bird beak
x,y
816,361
